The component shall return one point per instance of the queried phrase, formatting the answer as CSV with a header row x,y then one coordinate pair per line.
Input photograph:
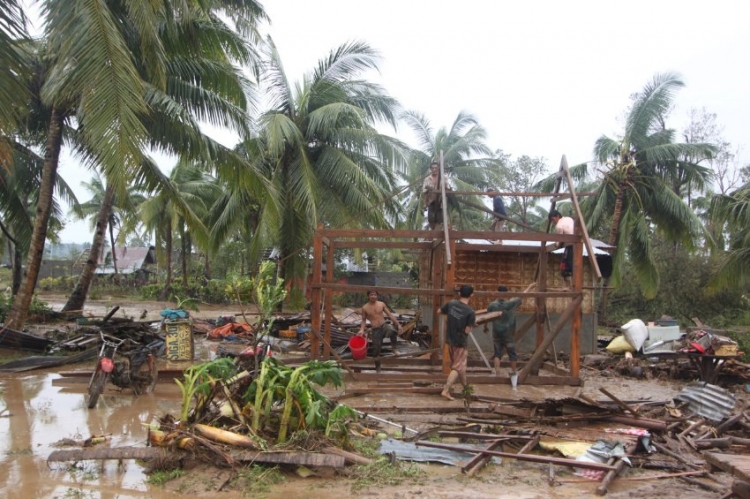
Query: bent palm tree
x,y
636,195
734,209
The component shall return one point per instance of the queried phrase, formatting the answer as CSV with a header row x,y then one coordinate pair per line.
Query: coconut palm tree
x,y
466,156
203,82
636,195
733,209
12,85
162,216
319,147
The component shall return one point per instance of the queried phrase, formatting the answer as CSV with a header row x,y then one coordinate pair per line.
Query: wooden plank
x,y
581,221
349,457
736,464
476,379
315,293
102,453
389,235
290,457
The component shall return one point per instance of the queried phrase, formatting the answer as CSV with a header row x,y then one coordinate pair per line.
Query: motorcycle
x,y
136,370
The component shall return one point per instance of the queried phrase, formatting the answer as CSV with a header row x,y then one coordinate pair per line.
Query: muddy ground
x,y
40,409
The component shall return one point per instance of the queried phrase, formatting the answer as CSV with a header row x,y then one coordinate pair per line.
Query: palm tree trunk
x,y
185,251
112,243
78,297
614,234
20,308
17,269
168,281
207,266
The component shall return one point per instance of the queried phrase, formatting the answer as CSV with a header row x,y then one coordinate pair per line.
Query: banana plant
x,y
197,383
269,382
301,393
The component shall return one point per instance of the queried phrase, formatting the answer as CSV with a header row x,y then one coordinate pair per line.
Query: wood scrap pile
x,y
230,415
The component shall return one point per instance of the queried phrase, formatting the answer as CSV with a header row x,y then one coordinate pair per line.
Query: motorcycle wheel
x,y
96,388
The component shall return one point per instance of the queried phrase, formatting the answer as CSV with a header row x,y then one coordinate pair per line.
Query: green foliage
x,y
186,303
382,472
304,406
683,292
256,479
161,477
197,381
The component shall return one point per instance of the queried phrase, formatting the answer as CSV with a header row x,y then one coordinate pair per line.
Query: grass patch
x,y
256,479
368,447
161,477
382,472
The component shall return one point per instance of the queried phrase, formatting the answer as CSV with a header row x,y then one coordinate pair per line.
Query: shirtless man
x,y
374,311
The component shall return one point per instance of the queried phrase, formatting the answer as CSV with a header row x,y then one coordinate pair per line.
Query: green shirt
x,y
507,321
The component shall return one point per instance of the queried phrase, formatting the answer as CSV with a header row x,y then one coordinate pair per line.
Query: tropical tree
x,y
163,216
467,159
202,82
636,194
12,77
321,152
734,210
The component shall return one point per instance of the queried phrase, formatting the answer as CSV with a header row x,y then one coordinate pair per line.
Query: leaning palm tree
x,y
635,196
320,150
467,158
734,210
204,81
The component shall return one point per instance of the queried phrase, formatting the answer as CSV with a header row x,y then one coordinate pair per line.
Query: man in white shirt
x,y
564,225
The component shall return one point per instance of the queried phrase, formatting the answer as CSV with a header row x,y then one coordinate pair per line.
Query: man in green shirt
x,y
503,329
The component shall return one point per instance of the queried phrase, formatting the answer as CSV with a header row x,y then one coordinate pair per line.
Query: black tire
x,y
96,388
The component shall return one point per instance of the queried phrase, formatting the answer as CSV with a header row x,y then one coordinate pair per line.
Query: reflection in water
x,y
40,415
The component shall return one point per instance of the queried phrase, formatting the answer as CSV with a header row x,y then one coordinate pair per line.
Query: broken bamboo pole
x,y
480,460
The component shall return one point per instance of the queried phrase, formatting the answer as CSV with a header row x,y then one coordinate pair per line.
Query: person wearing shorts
x,y
461,319
504,329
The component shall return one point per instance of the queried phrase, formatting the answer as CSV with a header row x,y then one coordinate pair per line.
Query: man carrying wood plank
x,y
503,330
461,319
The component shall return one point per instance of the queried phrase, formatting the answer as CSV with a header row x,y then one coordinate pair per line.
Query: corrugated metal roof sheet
x,y
710,401
507,242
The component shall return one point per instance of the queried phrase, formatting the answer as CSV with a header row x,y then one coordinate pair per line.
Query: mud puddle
x,y
37,414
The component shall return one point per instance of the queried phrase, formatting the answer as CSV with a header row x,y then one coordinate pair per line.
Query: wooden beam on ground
x,y
349,457
478,461
102,453
301,458
619,402
539,353
475,379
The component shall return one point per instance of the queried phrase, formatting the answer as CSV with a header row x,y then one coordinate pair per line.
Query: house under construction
x,y
523,261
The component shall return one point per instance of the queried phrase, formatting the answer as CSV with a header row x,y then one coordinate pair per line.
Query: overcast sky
x,y
545,78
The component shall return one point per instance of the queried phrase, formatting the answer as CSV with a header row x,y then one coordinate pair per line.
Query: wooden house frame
x,y
437,250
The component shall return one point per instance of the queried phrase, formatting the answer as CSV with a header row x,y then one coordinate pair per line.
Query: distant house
x,y
134,261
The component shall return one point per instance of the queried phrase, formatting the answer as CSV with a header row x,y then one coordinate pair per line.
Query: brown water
x,y
37,414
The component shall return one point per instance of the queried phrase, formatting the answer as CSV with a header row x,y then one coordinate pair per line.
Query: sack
x,y
619,346
635,332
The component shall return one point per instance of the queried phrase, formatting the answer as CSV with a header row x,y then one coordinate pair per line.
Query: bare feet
x,y
447,395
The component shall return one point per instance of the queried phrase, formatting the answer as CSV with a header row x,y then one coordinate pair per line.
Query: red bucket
x,y
358,346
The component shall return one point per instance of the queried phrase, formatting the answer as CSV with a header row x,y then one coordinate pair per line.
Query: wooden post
x,y
536,358
541,303
328,301
575,325
437,300
317,278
